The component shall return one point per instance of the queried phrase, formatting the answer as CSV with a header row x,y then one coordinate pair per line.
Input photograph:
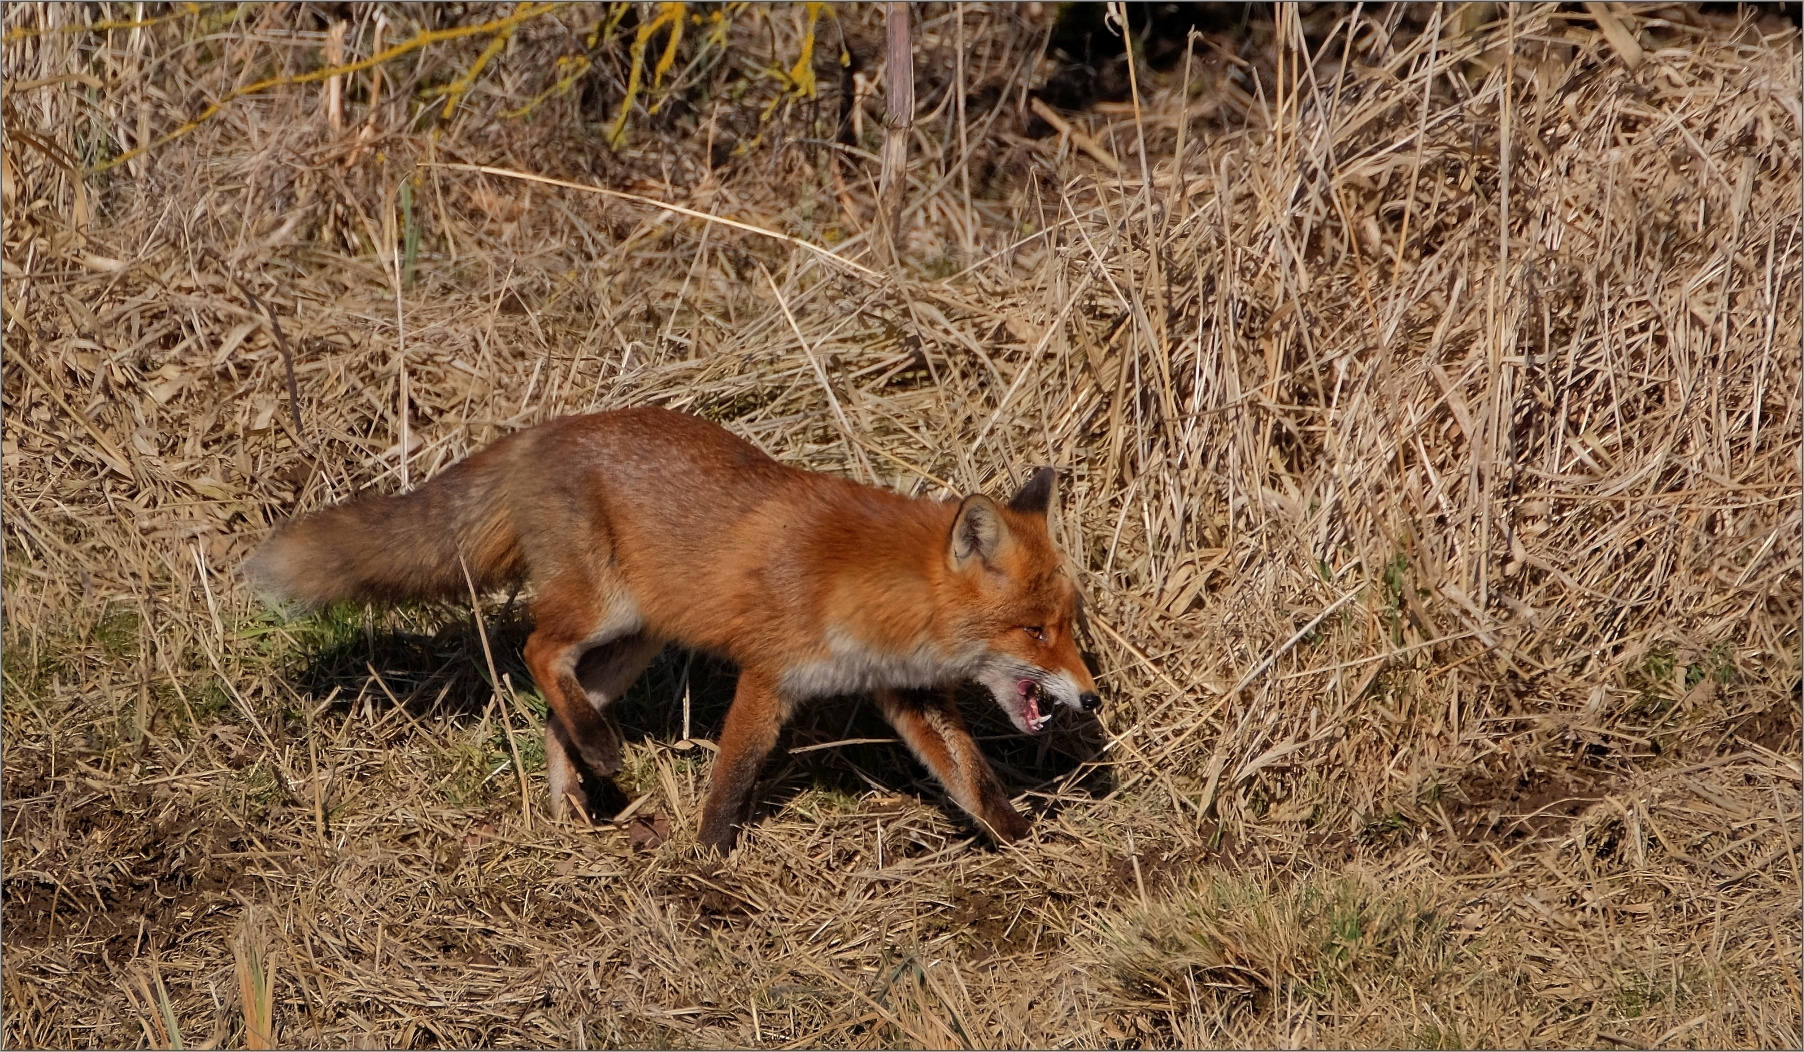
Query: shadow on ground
x,y
359,658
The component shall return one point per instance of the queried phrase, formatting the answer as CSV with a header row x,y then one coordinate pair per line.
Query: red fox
x,y
639,526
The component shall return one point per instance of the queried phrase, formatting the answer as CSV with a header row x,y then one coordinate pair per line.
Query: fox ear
x,y
978,532
1036,495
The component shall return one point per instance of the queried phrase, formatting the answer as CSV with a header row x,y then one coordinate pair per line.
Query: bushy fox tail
x,y
413,546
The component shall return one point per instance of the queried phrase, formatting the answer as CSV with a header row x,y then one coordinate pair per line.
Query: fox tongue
x,y
1030,701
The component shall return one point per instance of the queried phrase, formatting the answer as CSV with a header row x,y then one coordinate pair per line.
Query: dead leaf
x,y
212,489
232,340
479,836
263,408
648,831
1292,811
169,381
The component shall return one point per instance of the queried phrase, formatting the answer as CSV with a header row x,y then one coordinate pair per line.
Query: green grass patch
x,y
1240,939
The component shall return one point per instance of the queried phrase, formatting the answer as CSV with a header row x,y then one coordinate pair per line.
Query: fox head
x,y
1021,605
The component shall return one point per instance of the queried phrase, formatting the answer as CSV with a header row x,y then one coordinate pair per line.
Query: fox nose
x,y
1090,700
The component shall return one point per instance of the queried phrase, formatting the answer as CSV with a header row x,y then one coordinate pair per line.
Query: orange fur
x,y
645,525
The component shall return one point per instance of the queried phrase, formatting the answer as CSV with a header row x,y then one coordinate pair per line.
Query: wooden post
x,y
899,124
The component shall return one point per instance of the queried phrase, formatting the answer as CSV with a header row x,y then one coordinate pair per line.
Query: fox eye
x,y
1037,631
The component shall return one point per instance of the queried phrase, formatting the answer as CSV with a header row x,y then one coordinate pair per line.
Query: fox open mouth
x,y
1029,692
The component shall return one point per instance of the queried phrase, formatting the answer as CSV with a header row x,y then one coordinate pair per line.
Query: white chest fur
x,y
854,667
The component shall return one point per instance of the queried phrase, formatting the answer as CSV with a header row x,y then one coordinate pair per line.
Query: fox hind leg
x,y
584,652
574,788
581,764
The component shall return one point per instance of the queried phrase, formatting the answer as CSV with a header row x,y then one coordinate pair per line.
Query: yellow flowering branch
x,y
669,14
520,14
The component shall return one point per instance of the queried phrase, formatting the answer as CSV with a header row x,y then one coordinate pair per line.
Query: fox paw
x,y
1008,825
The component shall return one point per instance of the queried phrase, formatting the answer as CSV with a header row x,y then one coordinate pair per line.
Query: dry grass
x,y
1430,422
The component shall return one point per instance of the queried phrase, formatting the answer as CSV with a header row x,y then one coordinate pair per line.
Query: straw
x,y
1441,555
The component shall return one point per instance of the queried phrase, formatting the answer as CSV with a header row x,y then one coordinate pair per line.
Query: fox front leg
x,y
935,732
750,733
